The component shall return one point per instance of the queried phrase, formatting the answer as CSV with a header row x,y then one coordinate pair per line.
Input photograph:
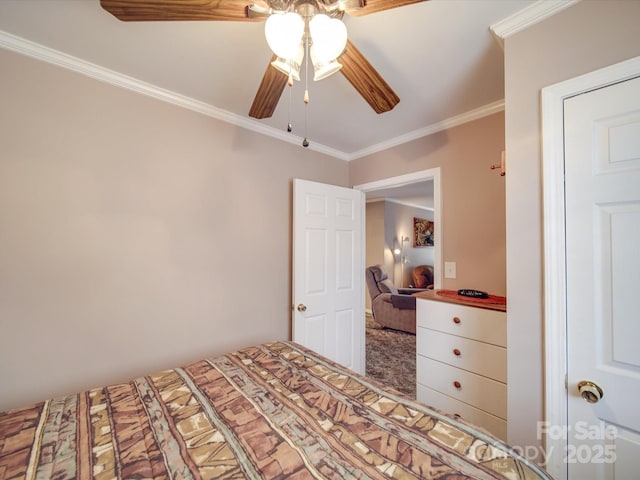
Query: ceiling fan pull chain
x,y
290,83
305,142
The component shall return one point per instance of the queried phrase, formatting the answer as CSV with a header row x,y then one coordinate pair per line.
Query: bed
x,y
276,410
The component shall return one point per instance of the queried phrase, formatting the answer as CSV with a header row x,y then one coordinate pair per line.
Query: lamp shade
x,y
322,69
329,36
320,72
292,66
284,34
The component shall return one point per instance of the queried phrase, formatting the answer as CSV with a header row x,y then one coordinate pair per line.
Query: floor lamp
x,y
403,259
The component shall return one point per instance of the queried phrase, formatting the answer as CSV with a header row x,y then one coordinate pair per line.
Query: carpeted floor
x,y
391,357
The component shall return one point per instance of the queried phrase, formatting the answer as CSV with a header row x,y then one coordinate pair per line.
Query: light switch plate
x,y
449,269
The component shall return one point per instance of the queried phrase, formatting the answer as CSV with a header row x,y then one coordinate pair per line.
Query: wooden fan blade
x,y
164,10
269,92
371,6
366,80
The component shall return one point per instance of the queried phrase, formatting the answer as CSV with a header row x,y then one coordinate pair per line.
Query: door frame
x,y
407,179
555,318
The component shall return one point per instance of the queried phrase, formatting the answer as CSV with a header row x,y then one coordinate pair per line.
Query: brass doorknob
x,y
590,391
302,308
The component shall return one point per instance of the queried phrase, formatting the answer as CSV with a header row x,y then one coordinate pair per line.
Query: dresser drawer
x,y
470,322
493,424
481,392
477,357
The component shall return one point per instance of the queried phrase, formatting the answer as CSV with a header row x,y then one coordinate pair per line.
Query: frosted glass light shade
x,y
326,70
322,69
290,66
284,34
329,36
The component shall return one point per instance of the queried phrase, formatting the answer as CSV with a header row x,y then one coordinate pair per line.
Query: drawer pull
x,y
457,384
456,320
457,352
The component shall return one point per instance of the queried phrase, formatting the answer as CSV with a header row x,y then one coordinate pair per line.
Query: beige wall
x,y
583,38
473,205
134,235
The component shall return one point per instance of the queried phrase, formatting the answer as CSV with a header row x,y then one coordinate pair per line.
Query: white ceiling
x,y
439,56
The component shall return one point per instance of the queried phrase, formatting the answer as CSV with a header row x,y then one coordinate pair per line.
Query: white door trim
x,y
420,176
555,319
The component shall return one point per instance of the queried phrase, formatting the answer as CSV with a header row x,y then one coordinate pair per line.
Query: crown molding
x,y
522,19
469,116
69,62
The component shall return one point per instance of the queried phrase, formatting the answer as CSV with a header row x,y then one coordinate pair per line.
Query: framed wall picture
x,y
422,232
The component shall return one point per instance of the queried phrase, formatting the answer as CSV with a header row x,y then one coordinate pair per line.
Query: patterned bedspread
x,y
272,411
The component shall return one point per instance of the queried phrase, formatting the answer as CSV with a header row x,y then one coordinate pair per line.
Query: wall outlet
x,y
449,269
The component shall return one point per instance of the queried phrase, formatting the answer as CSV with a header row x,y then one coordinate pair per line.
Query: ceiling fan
x,y
354,66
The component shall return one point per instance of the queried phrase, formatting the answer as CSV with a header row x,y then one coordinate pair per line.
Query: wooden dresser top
x,y
494,302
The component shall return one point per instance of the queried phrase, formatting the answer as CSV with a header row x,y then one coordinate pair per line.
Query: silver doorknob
x,y
302,308
590,391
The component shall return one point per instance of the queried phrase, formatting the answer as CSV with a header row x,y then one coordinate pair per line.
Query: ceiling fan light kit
x,y
303,32
290,34
295,30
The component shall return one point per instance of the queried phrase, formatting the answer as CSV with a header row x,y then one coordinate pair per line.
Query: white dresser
x,y
461,359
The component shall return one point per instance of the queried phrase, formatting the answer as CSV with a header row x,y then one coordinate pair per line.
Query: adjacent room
x,y
207,221
390,246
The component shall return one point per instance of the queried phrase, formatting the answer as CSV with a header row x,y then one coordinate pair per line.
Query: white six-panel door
x,y
328,271
602,175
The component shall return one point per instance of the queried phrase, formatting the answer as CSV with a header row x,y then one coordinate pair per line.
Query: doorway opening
x,y
432,175
413,195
